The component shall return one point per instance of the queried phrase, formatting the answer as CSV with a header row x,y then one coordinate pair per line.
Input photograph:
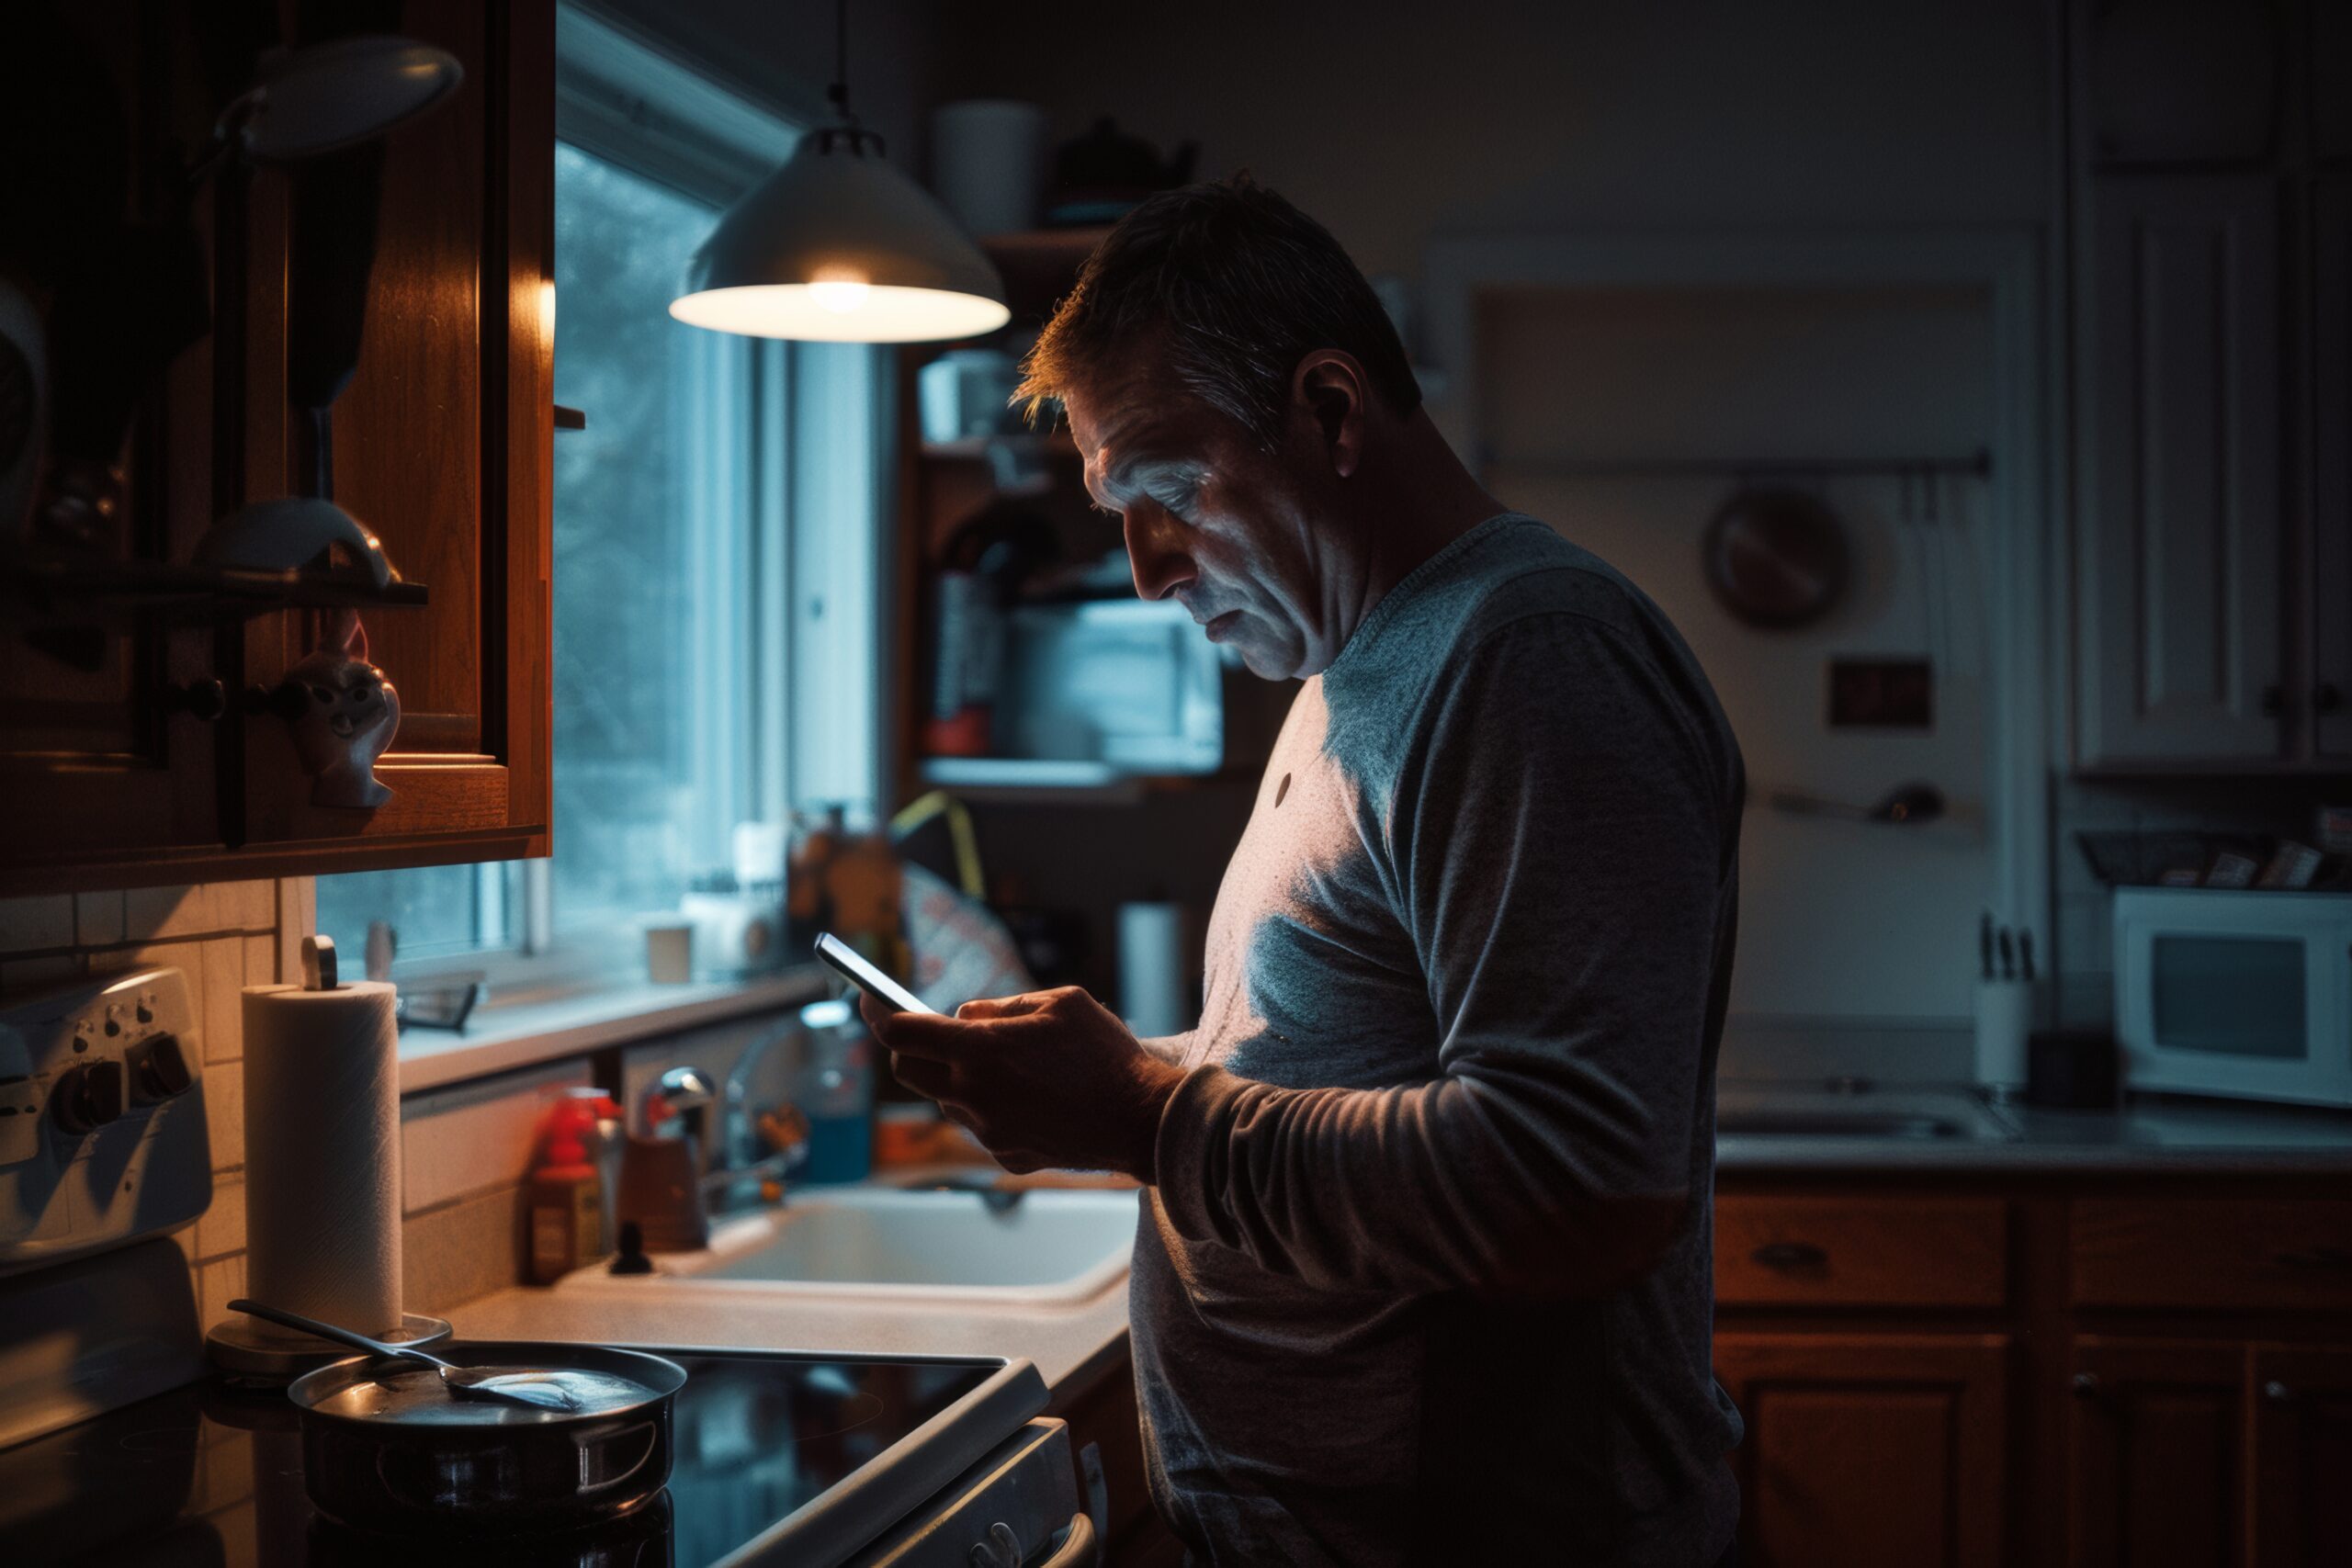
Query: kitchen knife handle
x,y
1790,1254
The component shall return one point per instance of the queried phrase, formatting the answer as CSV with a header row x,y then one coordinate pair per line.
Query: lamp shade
x,y
837,246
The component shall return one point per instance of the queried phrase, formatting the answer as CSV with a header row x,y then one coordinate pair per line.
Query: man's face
x,y
1213,521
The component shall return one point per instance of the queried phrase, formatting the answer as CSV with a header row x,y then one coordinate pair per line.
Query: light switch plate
x,y
98,1147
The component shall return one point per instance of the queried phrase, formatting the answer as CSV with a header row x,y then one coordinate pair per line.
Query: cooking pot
x,y
435,1464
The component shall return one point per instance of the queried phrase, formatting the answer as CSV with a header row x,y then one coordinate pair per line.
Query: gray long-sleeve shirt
x,y
1466,981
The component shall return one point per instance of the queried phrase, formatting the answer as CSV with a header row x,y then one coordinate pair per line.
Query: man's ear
x,y
1333,388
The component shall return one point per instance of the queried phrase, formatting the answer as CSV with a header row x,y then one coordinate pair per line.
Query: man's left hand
x,y
1045,1080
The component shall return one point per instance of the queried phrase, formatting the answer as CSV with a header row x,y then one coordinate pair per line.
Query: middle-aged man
x,y
1423,1275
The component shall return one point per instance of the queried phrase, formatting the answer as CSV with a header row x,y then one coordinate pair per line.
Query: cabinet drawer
x,y
2212,1252
1948,1252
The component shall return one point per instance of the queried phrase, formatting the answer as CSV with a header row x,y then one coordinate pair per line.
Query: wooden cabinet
x,y
2331,361
1840,1252
2156,1453
2182,625
2249,1253
2209,1452
2302,1399
1864,1450
2212,339
442,446
2100,1372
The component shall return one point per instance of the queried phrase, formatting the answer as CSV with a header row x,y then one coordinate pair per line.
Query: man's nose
x,y
1156,552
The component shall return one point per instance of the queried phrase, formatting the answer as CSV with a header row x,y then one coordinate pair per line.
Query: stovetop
x,y
211,1475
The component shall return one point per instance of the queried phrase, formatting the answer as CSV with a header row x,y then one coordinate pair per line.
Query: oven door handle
x,y
1081,1547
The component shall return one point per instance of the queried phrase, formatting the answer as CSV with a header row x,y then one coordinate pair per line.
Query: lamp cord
x,y
848,134
839,91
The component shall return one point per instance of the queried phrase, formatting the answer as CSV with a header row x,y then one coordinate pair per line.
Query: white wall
x,y
1839,921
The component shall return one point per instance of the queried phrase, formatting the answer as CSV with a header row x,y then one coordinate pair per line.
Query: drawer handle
x,y
2277,1393
2086,1385
1790,1254
2315,1260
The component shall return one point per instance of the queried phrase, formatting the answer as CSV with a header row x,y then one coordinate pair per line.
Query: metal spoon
x,y
536,1389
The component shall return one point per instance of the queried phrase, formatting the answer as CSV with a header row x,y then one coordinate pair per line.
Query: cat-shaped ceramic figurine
x,y
348,716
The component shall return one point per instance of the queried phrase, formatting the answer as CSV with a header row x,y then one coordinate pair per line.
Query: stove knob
x,y
89,1096
162,1071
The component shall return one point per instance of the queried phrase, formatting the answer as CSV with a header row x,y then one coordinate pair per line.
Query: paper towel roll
x,y
323,1153
1151,968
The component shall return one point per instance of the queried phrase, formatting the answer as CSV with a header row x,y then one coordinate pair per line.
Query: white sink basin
x,y
1050,1246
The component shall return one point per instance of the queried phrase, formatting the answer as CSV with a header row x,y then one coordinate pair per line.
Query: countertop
x,y
1073,1345
2149,1135
1069,1346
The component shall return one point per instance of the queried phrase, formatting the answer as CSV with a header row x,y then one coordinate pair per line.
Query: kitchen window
x,y
718,562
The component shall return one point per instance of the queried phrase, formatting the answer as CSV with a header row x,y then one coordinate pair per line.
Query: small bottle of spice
x,y
566,1203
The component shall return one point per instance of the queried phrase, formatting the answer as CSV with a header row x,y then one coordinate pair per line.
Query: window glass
x,y
630,548
436,910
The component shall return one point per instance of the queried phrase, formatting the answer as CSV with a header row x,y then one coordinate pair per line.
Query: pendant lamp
x,y
837,246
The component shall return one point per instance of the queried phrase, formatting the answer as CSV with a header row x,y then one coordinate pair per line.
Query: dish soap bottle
x,y
837,1094
567,1209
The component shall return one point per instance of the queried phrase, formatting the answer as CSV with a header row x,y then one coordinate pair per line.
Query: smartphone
x,y
842,959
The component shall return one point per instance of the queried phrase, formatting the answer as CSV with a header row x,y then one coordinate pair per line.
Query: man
x,y
1423,1275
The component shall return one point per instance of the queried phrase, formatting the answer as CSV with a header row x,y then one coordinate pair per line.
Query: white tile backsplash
x,y
245,905
223,962
476,1137
261,960
221,1230
217,1283
224,1109
41,921
153,913
98,918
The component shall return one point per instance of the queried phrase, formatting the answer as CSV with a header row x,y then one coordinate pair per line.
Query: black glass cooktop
x,y
210,1475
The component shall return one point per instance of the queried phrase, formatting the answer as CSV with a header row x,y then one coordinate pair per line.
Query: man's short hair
x,y
1230,287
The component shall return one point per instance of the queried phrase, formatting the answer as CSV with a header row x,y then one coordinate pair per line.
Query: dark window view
x,y
626,530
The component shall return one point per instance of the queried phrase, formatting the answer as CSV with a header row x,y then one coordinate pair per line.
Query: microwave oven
x,y
2246,994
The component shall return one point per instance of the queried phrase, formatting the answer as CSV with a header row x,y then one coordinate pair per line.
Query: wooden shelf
x,y
1056,445
1063,779
1039,266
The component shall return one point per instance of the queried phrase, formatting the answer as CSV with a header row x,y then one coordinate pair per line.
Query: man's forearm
x,y
1423,1189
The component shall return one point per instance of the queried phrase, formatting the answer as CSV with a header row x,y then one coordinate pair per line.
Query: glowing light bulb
x,y
838,297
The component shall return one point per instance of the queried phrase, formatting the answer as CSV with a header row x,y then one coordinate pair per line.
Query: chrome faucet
x,y
733,1168
745,1167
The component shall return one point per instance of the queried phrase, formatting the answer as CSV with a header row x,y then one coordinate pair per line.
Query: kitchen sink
x,y
1845,1110
1043,1246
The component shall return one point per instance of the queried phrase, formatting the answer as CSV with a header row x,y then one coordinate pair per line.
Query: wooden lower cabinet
x,y
2302,1403
1866,1449
2096,1371
2156,1453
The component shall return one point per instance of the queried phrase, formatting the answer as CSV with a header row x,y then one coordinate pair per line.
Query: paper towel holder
x,y
252,1355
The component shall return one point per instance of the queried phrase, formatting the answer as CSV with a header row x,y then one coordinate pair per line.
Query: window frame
x,y
810,610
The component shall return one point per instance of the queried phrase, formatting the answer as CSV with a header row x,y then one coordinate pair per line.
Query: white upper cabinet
x,y
2181,627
